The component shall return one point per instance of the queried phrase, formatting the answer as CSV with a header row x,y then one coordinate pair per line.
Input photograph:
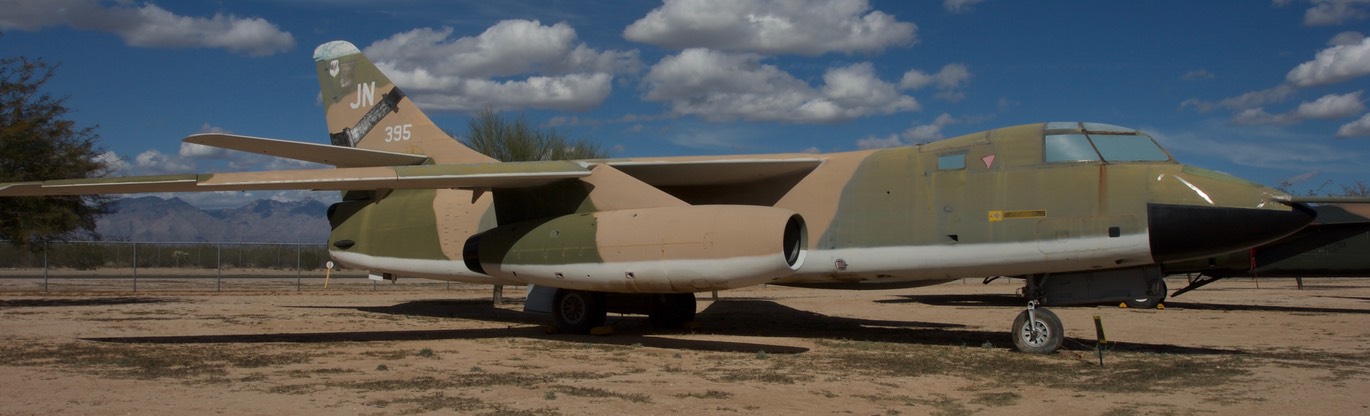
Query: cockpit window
x,y
1106,128
1069,148
1093,142
1128,148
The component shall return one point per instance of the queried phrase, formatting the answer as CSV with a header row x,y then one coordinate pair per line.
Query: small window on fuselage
x,y
951,162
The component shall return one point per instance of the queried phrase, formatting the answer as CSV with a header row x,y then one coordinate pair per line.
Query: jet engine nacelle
x,y
648,250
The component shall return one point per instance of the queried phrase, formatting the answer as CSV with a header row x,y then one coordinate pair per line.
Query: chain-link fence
x,y
91,255
160,266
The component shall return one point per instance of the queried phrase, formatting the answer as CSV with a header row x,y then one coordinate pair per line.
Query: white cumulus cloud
x,y
1335,12
951,76
948,81
151,26
722,86
1335,64
1346,38
921,133
1332,106
802,27
114,165
960,6
155,162
1327,107
1348,57
876,142
513,64
1358,128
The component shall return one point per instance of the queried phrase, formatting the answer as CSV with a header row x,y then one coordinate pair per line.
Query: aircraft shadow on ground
x,y
1360,298
770,319
1261,308
730,317
960,300
523,325
63,302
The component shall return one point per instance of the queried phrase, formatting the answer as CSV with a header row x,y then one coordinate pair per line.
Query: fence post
x,y
297,267
135,266
218,266
45,265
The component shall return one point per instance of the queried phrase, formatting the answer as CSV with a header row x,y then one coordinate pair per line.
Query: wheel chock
x,y
1122,305
1160,306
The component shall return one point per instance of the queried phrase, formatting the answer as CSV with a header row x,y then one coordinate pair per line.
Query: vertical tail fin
x,y
366,110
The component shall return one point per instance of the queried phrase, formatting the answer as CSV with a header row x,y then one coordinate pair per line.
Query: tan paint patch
x,y
816,198
615,190
457,216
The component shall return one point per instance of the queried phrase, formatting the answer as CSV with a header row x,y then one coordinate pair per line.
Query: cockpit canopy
x,y
1066,142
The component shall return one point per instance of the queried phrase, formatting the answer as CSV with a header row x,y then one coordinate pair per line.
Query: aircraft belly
x,y
952,261
656,276
452,270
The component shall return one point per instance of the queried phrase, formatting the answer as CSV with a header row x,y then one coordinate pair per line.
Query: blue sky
x,y
1270,91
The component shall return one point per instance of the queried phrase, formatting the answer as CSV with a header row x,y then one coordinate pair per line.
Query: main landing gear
x,y
579,311
1149,302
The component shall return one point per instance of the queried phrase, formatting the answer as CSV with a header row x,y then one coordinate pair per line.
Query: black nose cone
x,y
1184,232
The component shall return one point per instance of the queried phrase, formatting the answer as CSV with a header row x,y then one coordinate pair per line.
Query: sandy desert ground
x,y
1240,347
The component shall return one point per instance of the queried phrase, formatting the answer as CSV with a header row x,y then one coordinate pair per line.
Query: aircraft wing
x,y
340,156
474,176
715,171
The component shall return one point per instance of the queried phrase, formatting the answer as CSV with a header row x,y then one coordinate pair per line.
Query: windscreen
x,y
1128,148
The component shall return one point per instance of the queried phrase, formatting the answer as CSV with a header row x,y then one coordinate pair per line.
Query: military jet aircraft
x,y
1083,212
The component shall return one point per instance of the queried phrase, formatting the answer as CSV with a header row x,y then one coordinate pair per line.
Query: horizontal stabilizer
x,y
471,176
340,156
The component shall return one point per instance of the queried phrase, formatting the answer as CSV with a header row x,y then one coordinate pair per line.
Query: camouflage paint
x,y
712,222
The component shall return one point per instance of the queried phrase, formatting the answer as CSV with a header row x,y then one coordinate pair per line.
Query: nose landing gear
x,y
1037,330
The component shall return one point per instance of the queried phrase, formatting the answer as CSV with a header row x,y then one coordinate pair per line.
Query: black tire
x,y
672,310
1048,337
1149,302
576,312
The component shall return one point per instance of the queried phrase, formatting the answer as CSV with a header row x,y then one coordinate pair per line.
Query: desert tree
x,y
516,141
38,142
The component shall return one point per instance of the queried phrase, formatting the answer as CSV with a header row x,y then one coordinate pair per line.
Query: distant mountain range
x,y
154,219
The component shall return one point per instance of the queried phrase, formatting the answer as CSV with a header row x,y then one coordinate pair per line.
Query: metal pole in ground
x,y
135,266
219,267
297,267
45,265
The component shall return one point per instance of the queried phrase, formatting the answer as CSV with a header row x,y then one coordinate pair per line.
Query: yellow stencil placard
x,y
996,216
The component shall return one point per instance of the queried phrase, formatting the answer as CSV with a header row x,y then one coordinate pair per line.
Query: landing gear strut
x,y
1037,330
